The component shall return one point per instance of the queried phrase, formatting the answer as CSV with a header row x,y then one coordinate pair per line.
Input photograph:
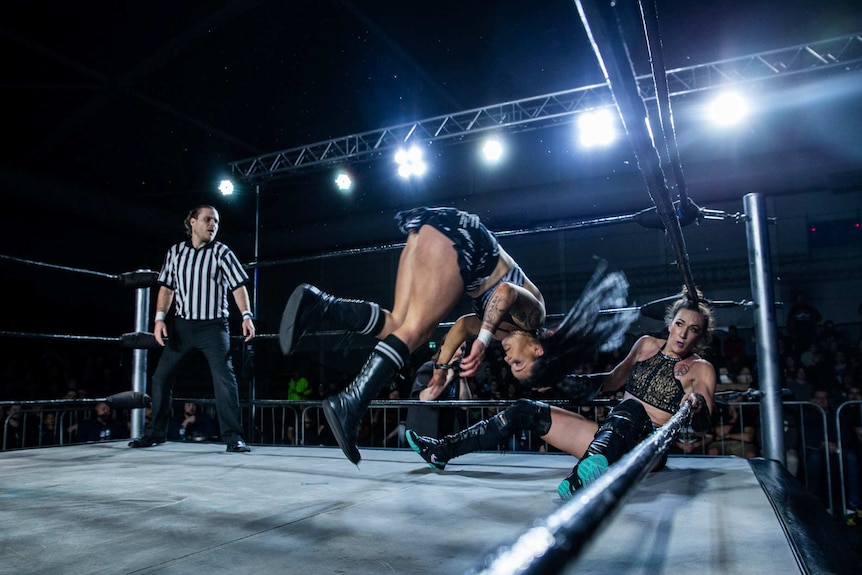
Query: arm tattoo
x,y
494,312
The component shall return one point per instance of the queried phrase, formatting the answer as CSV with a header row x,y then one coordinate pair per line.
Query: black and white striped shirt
x,y
201,279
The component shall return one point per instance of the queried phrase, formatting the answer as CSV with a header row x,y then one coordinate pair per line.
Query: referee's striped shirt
x,y
201,279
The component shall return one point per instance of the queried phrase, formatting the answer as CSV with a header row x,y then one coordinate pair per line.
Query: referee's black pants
x,y
212,338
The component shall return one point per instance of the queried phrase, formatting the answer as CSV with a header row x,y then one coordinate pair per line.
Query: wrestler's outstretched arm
x,y
464,327
527,311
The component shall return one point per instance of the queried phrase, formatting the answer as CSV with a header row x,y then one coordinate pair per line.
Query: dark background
x,y
119,117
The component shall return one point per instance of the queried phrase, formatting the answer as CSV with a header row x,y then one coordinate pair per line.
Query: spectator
x,y
101,427
799,386
820,447
802,321
20,430
194,424
298,387
735,431
48,429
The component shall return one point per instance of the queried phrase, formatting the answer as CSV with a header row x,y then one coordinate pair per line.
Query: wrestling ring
x,y
104,508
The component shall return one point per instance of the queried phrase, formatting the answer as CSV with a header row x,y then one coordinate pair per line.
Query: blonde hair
x,y
700,306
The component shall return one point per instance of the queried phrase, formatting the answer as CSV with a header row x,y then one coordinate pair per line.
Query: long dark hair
x,y
596,322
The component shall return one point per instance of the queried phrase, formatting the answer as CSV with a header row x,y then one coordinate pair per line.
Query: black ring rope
x,y
27,335
556,540
641,217
59,267
649,15
603,28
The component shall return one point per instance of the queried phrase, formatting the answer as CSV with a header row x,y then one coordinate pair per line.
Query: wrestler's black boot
x,y
482,436
309,308
486,435
626,424
344,410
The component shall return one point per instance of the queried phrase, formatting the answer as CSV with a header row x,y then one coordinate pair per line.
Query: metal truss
x,y
550,109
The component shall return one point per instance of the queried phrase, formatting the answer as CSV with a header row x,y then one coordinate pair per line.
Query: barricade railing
x,y
281,422
853,412
48,423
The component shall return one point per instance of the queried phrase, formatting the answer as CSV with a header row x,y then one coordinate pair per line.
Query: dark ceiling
x,y
120,116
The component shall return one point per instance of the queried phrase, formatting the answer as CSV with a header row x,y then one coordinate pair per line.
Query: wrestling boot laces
x,y
429,448
588,470
305,310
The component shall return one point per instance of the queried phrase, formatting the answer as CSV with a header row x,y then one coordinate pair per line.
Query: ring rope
x,y
27,335
649,15
557,540
59,267
638,217
602,27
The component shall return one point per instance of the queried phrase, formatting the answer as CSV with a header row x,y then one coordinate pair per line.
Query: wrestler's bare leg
x,y
570,432
427,287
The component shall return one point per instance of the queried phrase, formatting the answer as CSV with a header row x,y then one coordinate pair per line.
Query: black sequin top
x,y
653,382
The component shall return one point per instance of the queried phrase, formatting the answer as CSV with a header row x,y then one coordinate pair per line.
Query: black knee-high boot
x,y
344,410
523,415
627,424
310,308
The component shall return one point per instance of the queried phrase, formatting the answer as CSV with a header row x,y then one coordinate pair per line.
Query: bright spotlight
x,y
343,182
410,162
492,150
225,187
597,128
727,109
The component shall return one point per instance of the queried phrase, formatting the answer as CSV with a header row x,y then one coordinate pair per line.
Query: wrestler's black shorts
x,y
477,248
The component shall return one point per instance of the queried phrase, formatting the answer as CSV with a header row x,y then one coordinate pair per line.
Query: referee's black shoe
x,y
238,446
146,441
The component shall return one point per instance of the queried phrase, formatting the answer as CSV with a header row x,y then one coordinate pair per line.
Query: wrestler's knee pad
x,y
623,429
525,415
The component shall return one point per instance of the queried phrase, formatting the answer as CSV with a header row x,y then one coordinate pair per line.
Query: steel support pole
x,y
249,347
771,415
139,357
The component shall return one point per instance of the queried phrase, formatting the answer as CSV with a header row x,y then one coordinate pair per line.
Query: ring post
x,y
139,356
771,416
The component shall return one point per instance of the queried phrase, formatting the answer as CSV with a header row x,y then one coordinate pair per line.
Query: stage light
x,y
727,109
410,162
597,128
343,182
225,187
492,150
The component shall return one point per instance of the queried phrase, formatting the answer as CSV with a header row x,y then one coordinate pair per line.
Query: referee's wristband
x,y
247,314
485,336
160,316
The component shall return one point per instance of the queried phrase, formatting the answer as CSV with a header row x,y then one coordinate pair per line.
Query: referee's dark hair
x,y
193,214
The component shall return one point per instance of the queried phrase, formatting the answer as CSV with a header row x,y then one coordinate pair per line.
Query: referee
x,y
199,272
